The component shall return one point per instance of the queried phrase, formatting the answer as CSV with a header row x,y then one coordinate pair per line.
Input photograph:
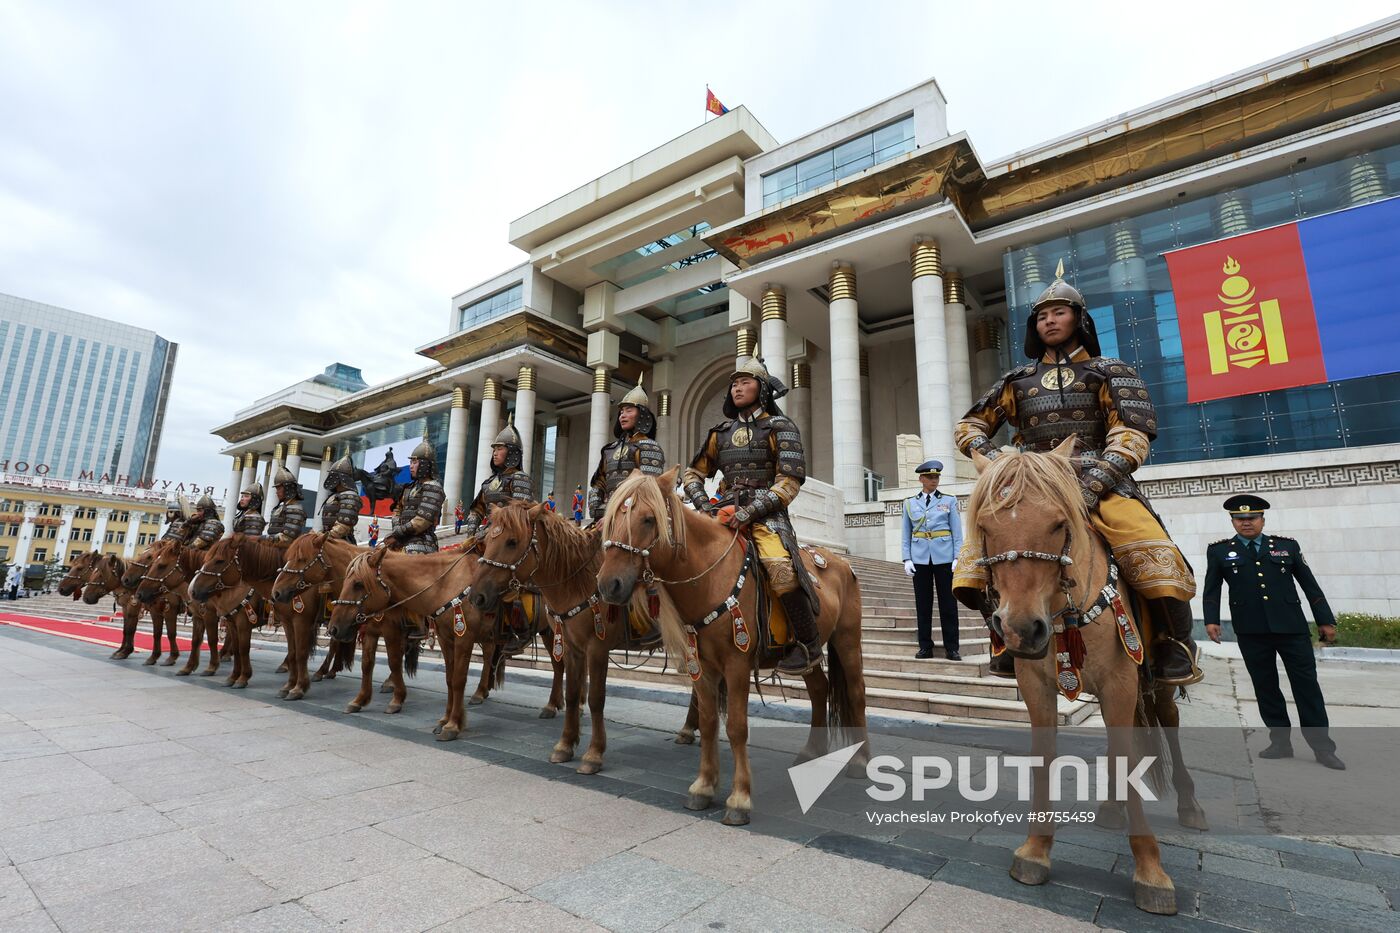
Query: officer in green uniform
x,y
1268,619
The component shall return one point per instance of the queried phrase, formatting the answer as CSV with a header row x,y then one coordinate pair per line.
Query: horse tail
x,y
410,656
498,666
722,698
840,712
1150,738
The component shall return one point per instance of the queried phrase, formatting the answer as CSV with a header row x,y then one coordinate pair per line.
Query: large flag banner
x,y
1308,302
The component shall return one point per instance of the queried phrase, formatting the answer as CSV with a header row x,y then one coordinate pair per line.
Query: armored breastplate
x,y
497,488
746,457
1045,415
619,460
248,521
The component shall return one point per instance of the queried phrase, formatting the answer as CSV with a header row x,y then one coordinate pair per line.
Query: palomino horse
x,y
308,581
237,574
1047,564
706,572
105,577
436,586
535,543
171,597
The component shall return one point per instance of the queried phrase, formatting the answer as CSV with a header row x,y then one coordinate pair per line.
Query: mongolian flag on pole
x,y
713,105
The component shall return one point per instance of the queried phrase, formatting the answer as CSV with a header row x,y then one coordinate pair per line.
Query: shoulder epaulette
x,y
1221,541
1282,538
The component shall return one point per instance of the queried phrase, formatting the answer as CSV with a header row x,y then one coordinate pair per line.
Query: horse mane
x,y
644,492
1017,477
262,558
571,549
189,560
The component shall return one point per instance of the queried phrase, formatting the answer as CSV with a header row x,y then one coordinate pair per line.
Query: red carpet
x,y
89,631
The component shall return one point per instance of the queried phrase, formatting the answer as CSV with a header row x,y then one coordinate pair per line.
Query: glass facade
x,y
492,306
1121,272
854,155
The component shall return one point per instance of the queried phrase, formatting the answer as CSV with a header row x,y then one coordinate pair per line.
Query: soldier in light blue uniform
x,y
932,537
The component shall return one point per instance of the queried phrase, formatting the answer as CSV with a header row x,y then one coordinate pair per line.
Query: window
x,y
87,534
40,555
492,306
854,155
111,537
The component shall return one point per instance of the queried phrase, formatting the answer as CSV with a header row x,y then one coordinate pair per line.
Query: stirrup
x,y
1192,652
811,653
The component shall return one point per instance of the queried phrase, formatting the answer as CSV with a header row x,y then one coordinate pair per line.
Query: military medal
x,y
742,435
1059,377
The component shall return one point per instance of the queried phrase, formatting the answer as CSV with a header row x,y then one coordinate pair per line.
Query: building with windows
x,y
45,521
886,270
80,397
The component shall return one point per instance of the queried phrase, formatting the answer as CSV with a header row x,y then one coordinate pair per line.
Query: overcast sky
x,y
262,181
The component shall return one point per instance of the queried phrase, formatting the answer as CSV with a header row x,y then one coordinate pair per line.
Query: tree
x,y
53,573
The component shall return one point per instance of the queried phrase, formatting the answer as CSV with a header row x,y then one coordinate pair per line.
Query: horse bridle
x,y
320,558
361,616
220,585
1062,558
518,584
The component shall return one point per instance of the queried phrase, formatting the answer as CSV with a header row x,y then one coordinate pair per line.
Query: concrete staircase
x,y
895,682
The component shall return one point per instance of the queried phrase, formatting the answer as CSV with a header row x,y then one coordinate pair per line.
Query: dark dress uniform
x,y
1268,620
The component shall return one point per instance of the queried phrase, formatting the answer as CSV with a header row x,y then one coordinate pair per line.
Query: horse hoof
x,y
560,755
241,685
170,661
735,817
685,738
281,669
353,708
1153,899
589,767
317,677
548,712
699,802
448,735
207,673
386,687
183,672
1193,818
393,708
295,694
283,692
149,662
1028,872
330,676
475,701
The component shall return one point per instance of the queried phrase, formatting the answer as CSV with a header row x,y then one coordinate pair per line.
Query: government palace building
x,y
1236,244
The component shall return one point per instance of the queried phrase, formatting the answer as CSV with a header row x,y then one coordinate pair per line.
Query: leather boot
x,y
1175,654
1003,665
1280,745
806,652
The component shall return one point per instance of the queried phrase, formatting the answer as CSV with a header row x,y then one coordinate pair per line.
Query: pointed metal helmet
x,y
426,457
341,474
283,477
344,465
646,421
205,503
1061,292
770,389
253,491
509,438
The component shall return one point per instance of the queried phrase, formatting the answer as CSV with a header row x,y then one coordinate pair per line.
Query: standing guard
x,y
1070,389
247,519
340,513
507,481
288,520
635,449
932,536
759,451
205,527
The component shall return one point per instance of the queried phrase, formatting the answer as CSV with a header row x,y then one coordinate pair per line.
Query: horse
x,y
173,566
705,572
73,580
311,577
536,541
105,577
237,575
1045,564
170,599
437,586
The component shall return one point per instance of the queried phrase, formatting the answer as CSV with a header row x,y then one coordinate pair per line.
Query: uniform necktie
x,y
925,500
1254,546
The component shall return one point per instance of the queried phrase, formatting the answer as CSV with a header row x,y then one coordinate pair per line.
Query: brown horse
x,y
311,576
700,565
77,575
1046,563
540,549
237,577
104,578
430,584
170,599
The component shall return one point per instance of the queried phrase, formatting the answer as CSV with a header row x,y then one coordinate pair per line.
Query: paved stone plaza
x,y
132,799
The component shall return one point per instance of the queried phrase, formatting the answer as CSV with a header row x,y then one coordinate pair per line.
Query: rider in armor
x,y
248,520
635,449
340,513
420,506
507,481
288,520
205,524
176,514
759,451
1067,389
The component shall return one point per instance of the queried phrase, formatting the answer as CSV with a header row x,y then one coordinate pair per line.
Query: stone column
x,y
65,531
250,471
525,415
665,428
327,458
599,424
798,403
99,531
293,463
846,421
231,495
987,335
26,536
745,342
931,354
456,464
490,427
133,530
959,357
773,324
270,497
562,486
